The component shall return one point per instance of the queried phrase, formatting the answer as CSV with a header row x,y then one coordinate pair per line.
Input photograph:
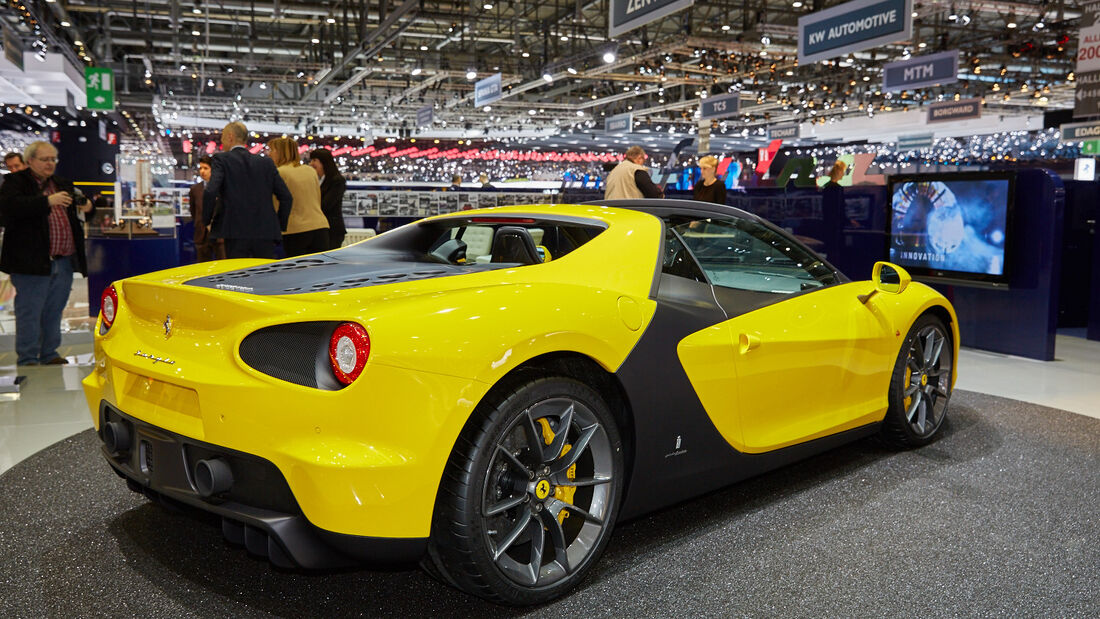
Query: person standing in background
x,y
832,211
44,246
207,246
14,162
306,232
242,181
710,188
630,179
333,186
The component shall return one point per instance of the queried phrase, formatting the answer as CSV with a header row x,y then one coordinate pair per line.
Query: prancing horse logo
x,y
168,326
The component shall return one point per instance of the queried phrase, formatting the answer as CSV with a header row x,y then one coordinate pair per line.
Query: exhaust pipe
x,y
212,477
116,436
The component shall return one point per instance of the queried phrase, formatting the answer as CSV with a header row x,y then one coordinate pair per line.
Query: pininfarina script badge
x,y
168,326
155,359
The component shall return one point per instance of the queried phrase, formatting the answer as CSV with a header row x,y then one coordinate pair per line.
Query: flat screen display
x,y
952,226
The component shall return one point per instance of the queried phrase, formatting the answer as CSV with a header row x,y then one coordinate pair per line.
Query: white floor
x,y
50,405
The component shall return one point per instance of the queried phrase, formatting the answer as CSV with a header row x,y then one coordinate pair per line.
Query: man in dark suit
x,y
208,242
245,183
43,245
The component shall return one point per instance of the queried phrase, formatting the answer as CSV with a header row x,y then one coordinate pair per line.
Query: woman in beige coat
x,y
307,230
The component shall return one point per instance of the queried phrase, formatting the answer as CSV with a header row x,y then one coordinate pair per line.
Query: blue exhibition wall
x,y
1022,319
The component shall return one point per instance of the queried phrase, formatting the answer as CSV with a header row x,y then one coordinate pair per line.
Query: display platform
x,y
998,517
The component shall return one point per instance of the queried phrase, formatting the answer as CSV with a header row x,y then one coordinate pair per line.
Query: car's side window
x,y
678,261
745,255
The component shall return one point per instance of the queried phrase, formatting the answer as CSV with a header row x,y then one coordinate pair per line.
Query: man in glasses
x,y
43,246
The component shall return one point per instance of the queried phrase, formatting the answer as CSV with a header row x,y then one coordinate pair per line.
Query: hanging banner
x,y
720,106
1086,96
1077,132
13,47
955,110
425,116
626,15
851,27
784,132
915,142
620,123
487,90
921,71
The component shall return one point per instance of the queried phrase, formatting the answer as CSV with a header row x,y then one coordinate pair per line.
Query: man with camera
x,y
43,246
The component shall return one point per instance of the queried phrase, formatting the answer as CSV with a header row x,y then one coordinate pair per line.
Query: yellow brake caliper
x,y
561,493
908,383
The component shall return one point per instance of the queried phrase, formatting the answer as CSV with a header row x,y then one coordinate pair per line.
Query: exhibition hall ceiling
x,y
365,68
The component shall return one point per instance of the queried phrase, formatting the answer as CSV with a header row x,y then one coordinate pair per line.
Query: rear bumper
x,y
259,511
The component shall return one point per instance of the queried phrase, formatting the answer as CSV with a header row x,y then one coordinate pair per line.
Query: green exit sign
x,y
99,85
1090,147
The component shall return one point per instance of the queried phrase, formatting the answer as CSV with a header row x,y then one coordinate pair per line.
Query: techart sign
x,y
783,132
626,15
853,26
487,90
921,71
955,110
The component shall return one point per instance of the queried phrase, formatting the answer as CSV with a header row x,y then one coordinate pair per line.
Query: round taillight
x,y
348,349
108,305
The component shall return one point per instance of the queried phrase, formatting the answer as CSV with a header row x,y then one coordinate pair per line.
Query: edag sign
x,y
851,27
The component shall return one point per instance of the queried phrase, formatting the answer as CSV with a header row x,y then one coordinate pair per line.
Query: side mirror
x,y
888,278
543,253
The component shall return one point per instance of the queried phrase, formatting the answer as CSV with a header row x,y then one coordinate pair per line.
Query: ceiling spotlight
x,y
953,15
78,43
263,85
965,19
1011,20
65,23
765,40
725,27
229,69
331,20
1039,25
210,83
471,74
423,48
564,38
315,40
195,32
571,70
609,57
488,6
417,71
547,77
183,68
526,54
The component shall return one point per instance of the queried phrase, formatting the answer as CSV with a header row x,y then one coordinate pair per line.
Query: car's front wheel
x,y
920,387
530,494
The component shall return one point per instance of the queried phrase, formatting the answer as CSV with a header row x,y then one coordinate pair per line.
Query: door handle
x,y
748,341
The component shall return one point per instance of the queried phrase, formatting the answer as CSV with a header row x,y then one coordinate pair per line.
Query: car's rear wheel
x,y
530,493
920,387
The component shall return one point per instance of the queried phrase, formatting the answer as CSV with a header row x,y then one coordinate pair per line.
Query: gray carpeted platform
x,y
1000,517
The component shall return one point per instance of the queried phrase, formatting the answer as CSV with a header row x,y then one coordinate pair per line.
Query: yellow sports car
x,y
489,392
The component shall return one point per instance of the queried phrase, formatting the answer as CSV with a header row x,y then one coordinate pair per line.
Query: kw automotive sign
x,y
921,71
620,123
424,116
783,132
627,15
487,90
851,27
955,110
720,106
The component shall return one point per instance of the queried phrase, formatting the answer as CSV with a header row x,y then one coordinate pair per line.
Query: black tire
x,y
498,532
920,387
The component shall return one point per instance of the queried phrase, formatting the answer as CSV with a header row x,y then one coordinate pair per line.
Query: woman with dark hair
x,y
333,187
